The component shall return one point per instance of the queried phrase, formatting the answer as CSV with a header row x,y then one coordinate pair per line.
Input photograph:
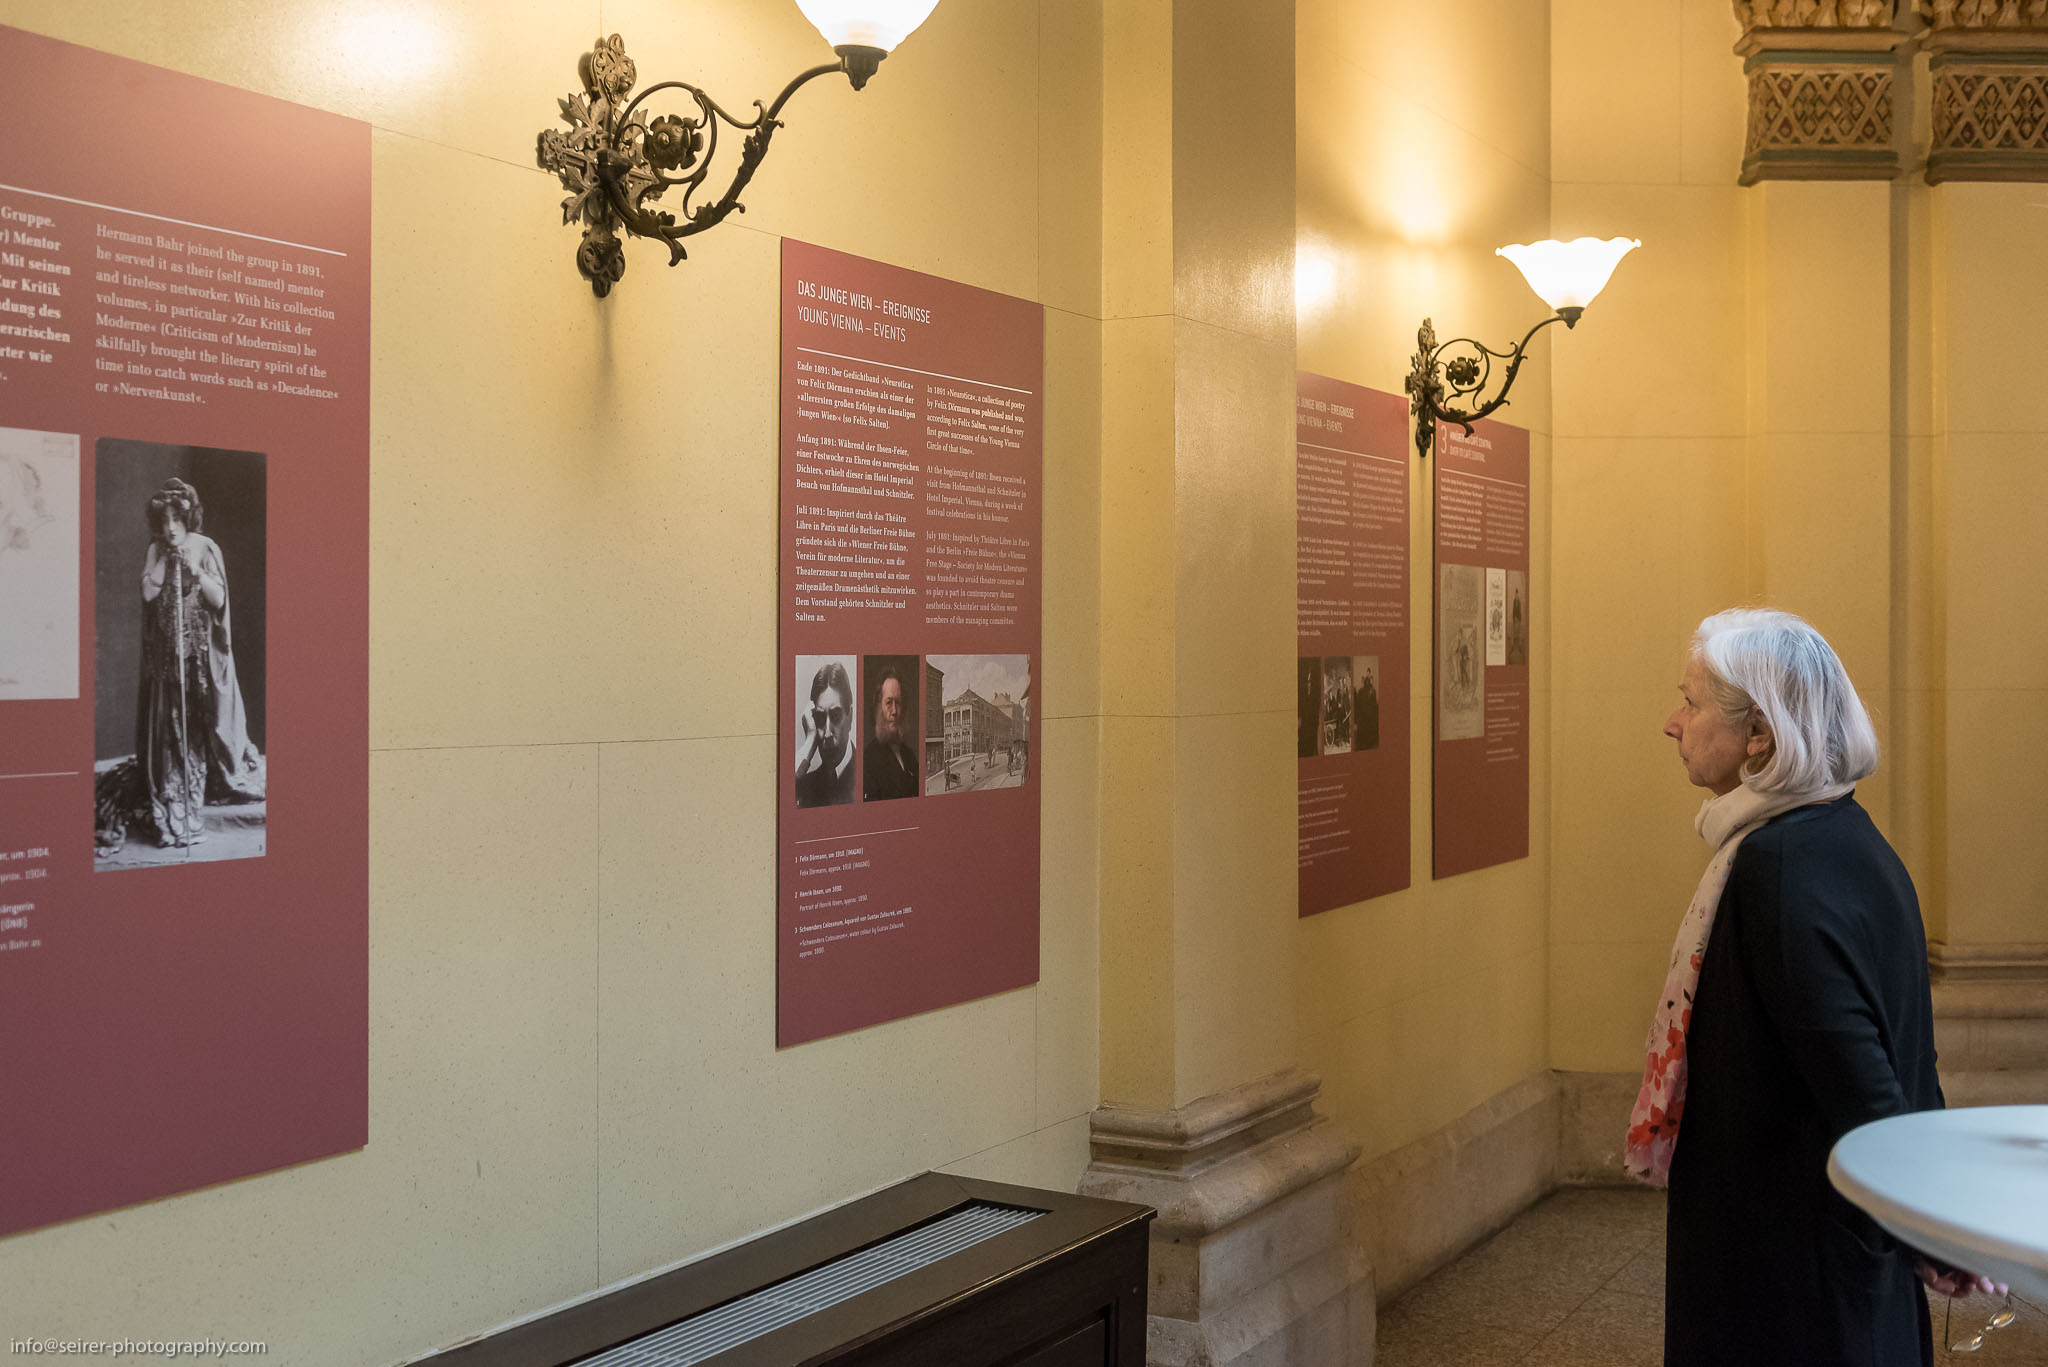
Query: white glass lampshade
x,y
1566,275
866,23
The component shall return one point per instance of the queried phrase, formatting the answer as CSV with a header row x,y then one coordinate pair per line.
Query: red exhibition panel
x,y
184,568
1483,608
1351,623
907,875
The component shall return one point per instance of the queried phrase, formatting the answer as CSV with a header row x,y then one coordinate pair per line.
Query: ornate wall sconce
x,y
1443,376
615,160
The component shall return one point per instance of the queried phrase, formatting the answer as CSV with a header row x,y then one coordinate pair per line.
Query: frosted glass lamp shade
x,y
1566,275
866,23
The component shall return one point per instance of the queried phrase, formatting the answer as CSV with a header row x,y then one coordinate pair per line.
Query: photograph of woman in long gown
x,y
194,784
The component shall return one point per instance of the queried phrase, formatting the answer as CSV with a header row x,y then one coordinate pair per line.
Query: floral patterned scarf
x,y
1660,1102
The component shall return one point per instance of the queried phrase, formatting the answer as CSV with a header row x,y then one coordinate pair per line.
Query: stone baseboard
x,y
1422,1205
2021,963
1990,1030
1593,1125
1253,1264
1991,1033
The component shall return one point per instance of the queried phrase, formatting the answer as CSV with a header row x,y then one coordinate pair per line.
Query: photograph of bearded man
x,y
890,769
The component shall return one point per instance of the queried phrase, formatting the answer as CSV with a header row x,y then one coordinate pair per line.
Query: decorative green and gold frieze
x,y
1821,75
1988,105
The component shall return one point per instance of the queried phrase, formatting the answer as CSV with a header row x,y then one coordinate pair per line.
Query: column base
x,y
1991,1023
1252,1263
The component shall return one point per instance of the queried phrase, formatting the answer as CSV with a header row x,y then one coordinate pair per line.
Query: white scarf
x,y
1660,1102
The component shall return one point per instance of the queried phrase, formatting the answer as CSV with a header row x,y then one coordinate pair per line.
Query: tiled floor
x,y
1579,1279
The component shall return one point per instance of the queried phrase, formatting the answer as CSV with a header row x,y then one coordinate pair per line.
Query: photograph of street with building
x,y
986,737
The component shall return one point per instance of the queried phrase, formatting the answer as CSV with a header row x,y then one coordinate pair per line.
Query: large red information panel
x,y
1351,623
911,511
184,568
1482,647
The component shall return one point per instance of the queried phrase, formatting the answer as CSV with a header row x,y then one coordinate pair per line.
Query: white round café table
x,y
1969,1186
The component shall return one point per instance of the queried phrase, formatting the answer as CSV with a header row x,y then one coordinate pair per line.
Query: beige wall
x,y
1649,520
573,1072
1822,395
1986,446
1418,1006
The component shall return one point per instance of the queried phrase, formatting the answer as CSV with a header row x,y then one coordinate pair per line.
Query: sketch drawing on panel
x,y
38,564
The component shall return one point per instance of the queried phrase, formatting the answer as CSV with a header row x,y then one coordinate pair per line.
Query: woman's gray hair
x,y
1774,662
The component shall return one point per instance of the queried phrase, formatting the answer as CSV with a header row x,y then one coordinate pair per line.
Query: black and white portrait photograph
x,y
827,731
1518,617
892,766
1337,705
1308,701
1365,705
180,551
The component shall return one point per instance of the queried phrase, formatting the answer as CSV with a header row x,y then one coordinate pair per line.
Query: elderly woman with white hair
x,y
1796,1008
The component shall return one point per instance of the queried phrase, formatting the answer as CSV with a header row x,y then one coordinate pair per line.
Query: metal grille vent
x,y
762,1312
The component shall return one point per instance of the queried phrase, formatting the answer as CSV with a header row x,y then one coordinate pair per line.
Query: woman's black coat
x,y
1811,1017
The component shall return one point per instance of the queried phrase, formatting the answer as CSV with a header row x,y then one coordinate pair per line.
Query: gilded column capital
x,y
1817,16
1821,76
1983,18
1988,103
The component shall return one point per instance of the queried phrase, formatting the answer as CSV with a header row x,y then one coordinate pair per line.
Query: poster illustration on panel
x,y
1496,617
1481,792
908,870
184,635
1351,638
1460,667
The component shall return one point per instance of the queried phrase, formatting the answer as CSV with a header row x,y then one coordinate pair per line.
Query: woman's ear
x,y
1760,738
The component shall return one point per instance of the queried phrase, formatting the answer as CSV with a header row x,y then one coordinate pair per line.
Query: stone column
x,y
1206,1117
1987,286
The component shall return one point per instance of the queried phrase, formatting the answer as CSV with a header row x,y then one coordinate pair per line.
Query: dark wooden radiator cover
x,y
1064,1290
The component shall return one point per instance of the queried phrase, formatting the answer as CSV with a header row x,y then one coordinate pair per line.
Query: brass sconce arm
x,y
614,160
1442,376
